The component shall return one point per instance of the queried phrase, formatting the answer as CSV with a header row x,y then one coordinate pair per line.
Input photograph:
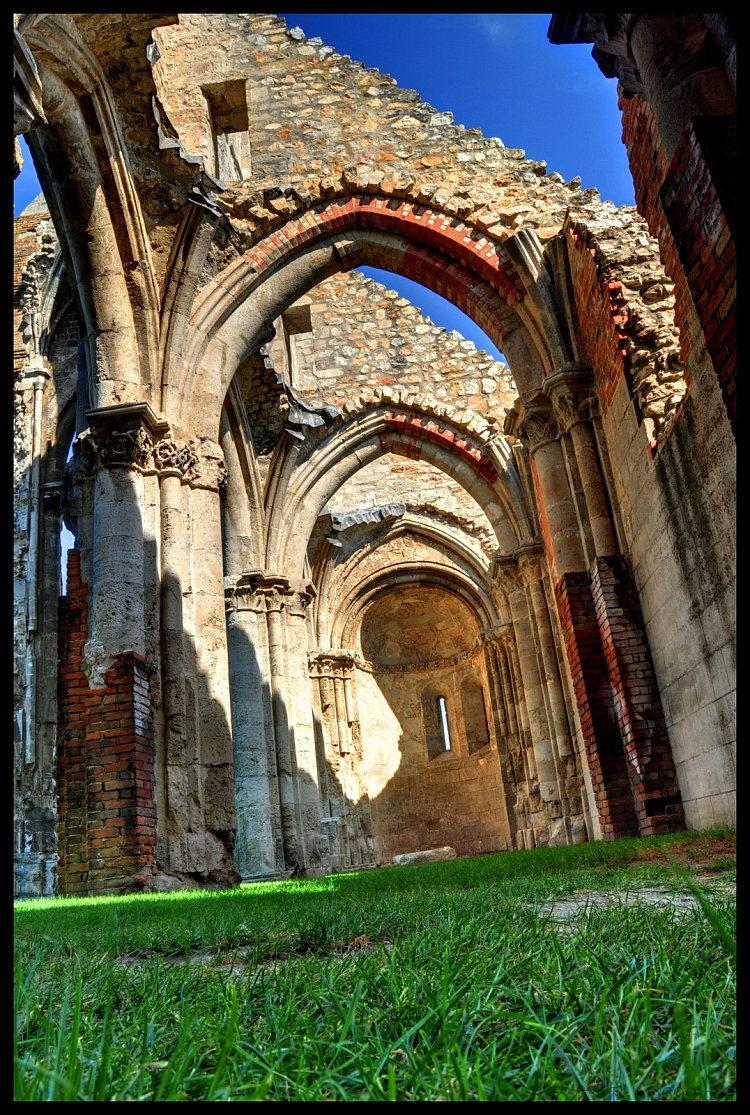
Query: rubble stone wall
x,y
674,486
682,206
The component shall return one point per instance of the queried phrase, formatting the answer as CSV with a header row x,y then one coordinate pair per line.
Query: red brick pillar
x,y
105,762
72,698
637,703
596,710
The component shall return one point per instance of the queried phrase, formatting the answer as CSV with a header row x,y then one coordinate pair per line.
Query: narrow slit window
x,y
443,721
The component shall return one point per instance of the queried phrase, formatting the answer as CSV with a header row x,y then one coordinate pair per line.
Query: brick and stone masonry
x,y
105,763
215,293
682,207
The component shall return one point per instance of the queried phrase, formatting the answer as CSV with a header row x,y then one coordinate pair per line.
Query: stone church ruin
x,y
344,587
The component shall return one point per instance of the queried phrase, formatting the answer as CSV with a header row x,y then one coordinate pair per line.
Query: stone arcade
x,y
343,587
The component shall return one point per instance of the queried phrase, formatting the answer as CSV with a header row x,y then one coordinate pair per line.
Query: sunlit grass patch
x,y
443,981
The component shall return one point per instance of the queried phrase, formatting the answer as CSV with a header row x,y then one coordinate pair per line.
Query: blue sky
x,y
497,72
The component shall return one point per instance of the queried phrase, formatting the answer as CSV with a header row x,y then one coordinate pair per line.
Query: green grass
x,y
445,981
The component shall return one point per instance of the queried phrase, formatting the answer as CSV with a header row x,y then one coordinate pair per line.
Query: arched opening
x,y
67,537
419,648
233,318
437,308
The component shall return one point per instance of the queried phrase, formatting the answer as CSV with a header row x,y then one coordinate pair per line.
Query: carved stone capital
x,y
530,559
208,470
123,436
255,589
503,633
174,458
124,448
571,392
532,422
506,574
259,591
300,598
332,663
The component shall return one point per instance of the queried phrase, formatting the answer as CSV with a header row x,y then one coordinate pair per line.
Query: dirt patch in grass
x,y
711,861
704,853
562,909
239,957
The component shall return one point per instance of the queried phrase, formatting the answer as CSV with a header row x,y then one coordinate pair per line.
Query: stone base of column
x,y
35,874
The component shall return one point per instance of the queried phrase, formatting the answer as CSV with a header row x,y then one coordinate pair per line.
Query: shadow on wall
x,y
357,797
145,794
276,770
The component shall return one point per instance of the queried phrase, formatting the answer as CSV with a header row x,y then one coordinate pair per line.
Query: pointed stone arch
x,y
303,489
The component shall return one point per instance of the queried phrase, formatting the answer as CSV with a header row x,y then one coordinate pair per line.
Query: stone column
x,y
522,758
568,823
35,841
512,670
512,722
291,820
636,703
571,394
506,744
497,698
323,668
348,825
186,663
207,669
682,75
273,648
530,564
534,424
533,681
341,717
296,604
106,752
507,574
260,847
119,443
179,750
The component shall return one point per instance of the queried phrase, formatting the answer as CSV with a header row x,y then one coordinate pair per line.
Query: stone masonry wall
x,y
365,336
674,487
321,125
321,111
453,797
681,205
424,489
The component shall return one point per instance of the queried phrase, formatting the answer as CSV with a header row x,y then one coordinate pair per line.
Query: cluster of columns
x,y
532,698
35,850
346,810
278,766
629,769
146,512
